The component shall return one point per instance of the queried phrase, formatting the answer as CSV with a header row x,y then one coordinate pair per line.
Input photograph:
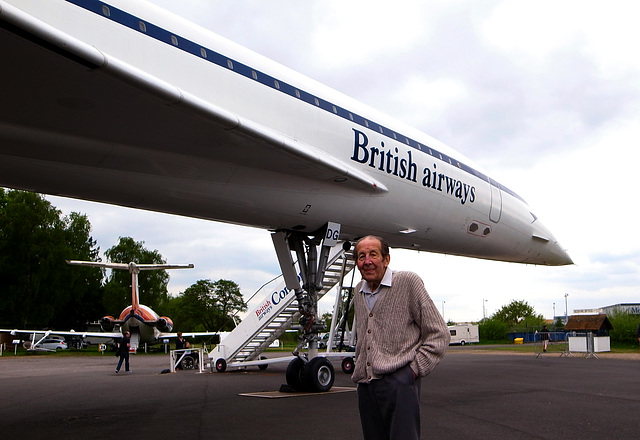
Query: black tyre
x,y
263,366
348,364
295,374
319,375
221,365
187,363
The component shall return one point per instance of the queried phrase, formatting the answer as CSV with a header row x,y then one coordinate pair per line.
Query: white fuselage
x,y
171,117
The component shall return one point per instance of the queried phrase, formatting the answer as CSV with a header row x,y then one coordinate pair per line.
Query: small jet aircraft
x,y
121,102
143,324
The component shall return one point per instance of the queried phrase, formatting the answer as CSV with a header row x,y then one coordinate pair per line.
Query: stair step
x,y
282,322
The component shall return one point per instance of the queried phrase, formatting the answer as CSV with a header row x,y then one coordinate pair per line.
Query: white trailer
x,y
464,334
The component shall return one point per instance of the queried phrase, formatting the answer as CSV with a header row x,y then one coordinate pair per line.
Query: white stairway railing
x,y
274,315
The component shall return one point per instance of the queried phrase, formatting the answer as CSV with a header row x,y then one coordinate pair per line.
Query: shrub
x,y
625,326
493,330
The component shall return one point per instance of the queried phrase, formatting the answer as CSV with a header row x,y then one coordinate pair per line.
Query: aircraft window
x,y
254,74
191,47
473,227
486,231
316,101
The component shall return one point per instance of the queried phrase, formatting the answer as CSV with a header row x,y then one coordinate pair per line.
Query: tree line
x,y
39,290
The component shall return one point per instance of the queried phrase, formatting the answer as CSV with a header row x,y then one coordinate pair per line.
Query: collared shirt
x,y
371,297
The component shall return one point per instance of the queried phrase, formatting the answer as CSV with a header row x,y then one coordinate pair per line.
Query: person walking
x,y
123,352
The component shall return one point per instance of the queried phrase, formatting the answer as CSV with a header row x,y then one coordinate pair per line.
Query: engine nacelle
x,y
107,323
164,324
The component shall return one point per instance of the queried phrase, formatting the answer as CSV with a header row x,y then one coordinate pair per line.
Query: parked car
x,y
53,344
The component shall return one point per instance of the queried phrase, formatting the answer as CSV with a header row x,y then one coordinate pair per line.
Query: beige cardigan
x,y
404,327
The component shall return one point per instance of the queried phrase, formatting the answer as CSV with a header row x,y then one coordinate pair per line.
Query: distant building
x,y
632,308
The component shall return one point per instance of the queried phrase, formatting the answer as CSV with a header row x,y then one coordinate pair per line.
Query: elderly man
x,y
401,338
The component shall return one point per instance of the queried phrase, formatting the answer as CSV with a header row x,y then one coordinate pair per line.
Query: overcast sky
x,y
545,96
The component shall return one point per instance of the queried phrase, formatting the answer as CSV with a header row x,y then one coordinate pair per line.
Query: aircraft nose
x,y
547,248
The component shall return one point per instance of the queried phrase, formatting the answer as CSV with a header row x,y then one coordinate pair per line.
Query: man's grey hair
x,y
384,246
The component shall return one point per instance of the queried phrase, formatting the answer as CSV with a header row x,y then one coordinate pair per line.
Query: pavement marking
x,y
280,394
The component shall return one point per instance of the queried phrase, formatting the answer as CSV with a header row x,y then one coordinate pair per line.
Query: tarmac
x,y
472,394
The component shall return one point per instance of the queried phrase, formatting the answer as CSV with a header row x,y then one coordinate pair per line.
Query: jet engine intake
x,y
107,323
164,324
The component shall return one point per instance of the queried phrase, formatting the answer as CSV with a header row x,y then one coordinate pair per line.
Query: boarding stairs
x,y
134,341
275,314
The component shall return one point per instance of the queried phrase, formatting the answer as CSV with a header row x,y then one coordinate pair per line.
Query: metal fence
x,y
557,344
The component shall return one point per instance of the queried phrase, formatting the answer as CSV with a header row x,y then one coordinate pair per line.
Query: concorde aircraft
x,y
119,101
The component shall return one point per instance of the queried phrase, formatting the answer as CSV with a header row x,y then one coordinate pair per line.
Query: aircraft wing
x,y
187,335
133,138
106,335
129,266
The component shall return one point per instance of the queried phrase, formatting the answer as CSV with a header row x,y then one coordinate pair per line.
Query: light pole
x,y
554,311
484,310
566,314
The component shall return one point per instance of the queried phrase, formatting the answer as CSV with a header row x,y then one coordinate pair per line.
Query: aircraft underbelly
x,y
99,129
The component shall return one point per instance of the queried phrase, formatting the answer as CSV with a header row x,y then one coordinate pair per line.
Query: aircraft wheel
x,y
262,367
319,375
348,365
221,365
295,374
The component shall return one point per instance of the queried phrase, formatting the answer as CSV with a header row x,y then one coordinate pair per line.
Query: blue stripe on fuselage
x,y
188,46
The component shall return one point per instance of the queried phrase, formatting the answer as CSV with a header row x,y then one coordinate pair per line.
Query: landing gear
x,y
317,373
295,374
